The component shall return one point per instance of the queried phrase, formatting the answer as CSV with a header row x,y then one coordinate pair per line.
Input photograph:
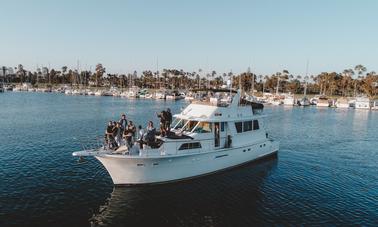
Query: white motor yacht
x,y
77,92
174,96
323,102
362,103
98,93
124,94
204,138
374,105
160,95
8,87
288,100
68,92
342,103
304,101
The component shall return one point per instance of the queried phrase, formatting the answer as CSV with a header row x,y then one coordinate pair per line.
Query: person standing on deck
x,y
109,134
162,115
115,132
118,134
129,133
140,136
123,122
150,134
168,120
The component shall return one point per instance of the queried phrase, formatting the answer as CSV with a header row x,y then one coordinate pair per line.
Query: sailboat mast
x,y
305,88
278,84
157,73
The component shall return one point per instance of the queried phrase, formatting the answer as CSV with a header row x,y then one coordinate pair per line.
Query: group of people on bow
x,y
124,132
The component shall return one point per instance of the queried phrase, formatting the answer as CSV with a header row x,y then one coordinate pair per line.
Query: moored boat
x,y
342,103
323,102
374,104
289,100
304,102
174,96
362,103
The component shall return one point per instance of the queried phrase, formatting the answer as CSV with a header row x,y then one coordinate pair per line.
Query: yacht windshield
x,y
190,126
203,127
179,123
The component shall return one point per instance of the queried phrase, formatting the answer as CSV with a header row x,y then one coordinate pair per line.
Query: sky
x,y
123,35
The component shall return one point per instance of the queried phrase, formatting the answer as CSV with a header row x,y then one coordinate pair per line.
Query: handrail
x,y
195,140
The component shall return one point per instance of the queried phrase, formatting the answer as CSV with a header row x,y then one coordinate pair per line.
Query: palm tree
x,y
346,80
360,70
21,72
100,70
213,74
4,69
266,77
230,75
199,78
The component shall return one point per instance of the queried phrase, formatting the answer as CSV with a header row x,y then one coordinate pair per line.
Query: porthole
x,y
249,149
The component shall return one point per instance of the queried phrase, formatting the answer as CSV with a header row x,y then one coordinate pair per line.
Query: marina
x,y
287,99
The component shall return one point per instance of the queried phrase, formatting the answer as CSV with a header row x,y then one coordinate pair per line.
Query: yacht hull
x,y
134,170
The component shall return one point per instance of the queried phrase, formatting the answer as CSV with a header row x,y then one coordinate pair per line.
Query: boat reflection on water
x,y
226,197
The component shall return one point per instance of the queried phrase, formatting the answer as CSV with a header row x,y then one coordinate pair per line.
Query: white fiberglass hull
x,y
322,104
342,105
130,170
289,102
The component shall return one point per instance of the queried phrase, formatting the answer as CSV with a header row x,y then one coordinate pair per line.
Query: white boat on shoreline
x,y
323,102
374,105
98,93
160,95
174,96
362,103
342,103
204,139
289,100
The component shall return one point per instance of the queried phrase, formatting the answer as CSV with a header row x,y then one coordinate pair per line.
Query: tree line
x,y
349,82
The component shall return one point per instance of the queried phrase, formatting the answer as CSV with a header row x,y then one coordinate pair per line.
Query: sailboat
x,y
305,101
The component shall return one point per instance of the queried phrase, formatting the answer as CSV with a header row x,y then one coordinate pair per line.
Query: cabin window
x,y
256,125
187,146
203,127
239,127
247,126
222,126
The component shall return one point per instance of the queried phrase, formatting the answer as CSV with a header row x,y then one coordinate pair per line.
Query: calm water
x,y
325,173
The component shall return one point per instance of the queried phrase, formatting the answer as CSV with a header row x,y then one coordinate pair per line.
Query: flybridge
x,y
218,105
